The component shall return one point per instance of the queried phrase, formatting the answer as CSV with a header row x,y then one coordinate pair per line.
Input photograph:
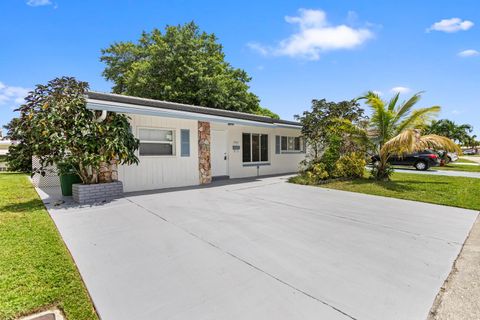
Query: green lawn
x,y
462,160
454,166
36,269
451,191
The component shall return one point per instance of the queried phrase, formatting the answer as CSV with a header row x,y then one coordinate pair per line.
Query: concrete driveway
x,y
263,249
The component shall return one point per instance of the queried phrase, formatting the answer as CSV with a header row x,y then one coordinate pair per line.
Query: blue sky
x,y
295,51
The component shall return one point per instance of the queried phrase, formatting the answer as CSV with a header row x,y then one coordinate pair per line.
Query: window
x,y
264,147
292,144
297,145
156,142
185,143
246,148
255,147
284,143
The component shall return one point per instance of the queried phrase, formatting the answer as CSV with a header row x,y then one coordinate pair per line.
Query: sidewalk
x,y
460,295
476,159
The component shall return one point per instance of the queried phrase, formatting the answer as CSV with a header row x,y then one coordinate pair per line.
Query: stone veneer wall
x,y
204,165
108,171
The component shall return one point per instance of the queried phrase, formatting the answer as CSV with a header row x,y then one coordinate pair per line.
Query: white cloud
x,y
400,90
468,53
451,25
258,48
38,3
314,36
12,95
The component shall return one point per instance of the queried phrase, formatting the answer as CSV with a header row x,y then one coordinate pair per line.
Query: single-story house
x,y
184,145
4,145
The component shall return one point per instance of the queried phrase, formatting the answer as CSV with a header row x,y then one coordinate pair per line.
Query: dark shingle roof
x,y
110,97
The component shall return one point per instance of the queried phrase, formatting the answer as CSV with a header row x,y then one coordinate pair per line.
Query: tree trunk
x,y
88,174
382,173
108,171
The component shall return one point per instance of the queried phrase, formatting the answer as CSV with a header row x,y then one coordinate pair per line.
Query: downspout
x,y
102,117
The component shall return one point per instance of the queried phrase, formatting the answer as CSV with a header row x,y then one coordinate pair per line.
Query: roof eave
x,y
135,105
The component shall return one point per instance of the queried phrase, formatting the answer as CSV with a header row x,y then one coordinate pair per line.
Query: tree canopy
x,y
327,119
390,118
56,126
448,128
181,64
19,157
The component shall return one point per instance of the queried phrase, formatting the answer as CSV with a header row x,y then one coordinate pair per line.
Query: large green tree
x,y
181,64
329,121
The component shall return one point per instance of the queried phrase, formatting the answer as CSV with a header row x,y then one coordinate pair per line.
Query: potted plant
x,y
68,176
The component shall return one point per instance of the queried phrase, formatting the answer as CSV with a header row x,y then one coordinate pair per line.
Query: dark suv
x,y
420,160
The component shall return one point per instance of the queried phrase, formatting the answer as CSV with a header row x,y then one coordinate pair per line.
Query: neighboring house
x,y
4,145
184,145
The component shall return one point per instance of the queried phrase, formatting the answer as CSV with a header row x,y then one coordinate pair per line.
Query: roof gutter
x,y
94,104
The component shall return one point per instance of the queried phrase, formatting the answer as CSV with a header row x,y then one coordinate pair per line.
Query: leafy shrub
x,y
350,165
317,173
332,153
19,158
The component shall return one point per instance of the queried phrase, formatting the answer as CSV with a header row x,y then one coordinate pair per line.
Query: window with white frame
x,y
156,142
254,147
291,144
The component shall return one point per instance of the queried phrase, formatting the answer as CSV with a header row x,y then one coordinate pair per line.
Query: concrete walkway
x,y
262,249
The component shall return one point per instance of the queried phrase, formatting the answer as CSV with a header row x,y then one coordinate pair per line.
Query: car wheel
x,y
420,165
449,159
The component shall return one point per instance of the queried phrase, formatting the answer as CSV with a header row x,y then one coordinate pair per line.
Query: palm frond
x,y
393,102
381,117
401,143
404,109
410,141
418,119
436,142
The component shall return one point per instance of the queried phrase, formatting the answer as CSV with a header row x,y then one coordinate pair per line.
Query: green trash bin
x,y
66,182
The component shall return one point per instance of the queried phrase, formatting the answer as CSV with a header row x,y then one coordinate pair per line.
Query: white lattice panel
x,y
51,178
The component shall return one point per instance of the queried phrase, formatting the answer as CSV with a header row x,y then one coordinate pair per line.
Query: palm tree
x,y
448,128
395,129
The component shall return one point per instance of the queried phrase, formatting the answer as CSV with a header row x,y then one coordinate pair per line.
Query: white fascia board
x,y
289,126
93,104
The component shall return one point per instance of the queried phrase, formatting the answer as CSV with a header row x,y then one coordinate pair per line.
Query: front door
x,y
218,152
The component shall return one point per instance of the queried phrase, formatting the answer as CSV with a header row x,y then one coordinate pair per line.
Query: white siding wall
x,y
176,171
163,171
279,163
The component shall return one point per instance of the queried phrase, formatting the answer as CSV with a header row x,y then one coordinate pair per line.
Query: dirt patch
x,y
459,297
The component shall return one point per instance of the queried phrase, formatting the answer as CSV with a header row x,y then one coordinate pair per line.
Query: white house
x,y
183,145
4,145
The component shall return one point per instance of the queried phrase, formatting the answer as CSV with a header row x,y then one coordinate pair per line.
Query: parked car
x,y
469,152
419,160
446,157
452,156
